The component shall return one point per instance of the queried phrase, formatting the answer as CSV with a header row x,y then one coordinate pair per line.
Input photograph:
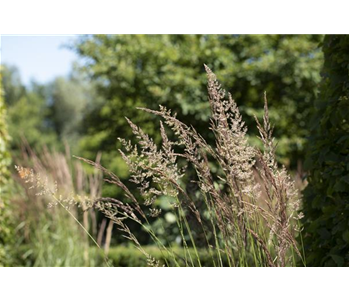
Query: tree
x,y
12,84
69,99
326,204
138,70
27,112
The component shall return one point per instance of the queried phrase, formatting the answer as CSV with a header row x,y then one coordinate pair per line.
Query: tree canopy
x,y
148,70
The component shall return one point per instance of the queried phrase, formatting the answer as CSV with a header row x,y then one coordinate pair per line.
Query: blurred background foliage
x,y
132,71
85,111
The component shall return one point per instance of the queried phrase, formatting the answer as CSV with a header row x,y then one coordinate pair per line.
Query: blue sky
x,y
41,58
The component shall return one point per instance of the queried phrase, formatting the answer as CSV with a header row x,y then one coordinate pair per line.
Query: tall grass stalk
x,y
247,207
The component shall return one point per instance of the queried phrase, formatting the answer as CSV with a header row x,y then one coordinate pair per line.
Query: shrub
x,y
326,204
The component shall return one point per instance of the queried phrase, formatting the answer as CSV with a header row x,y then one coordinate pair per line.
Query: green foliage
x,y
53,241
69,98
4,140
123,256
6,218
27,112
138,70
26,121
326,205
47,115
11,84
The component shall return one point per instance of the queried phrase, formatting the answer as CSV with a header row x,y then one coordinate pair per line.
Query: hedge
x,y
326,198
6,221
123,256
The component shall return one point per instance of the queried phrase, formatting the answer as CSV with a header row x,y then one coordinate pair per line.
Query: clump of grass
x,y
250,202
247,206
56,236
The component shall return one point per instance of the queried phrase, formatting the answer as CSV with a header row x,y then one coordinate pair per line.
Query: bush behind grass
x,y
129,256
